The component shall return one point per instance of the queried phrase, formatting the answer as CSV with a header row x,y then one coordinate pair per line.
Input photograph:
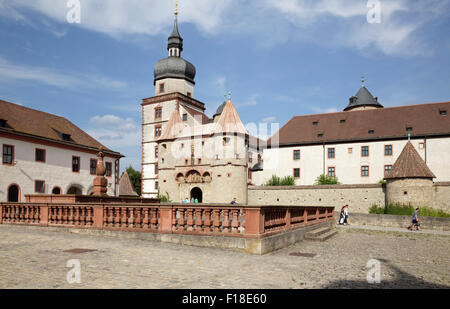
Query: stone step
x,y
319,231
322,237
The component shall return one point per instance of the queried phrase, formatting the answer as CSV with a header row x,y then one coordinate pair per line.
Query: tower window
x,y
158,131
158,113
185,117
156,152
39,186
161,88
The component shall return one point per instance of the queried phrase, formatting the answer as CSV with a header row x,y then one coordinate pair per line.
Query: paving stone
x,y
35,258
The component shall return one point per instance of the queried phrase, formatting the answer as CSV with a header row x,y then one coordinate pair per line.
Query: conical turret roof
x,y
125,186
229,121
363,98
174,126
410,165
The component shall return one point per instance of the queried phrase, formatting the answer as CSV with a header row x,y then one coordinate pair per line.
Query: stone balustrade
x,y
192,219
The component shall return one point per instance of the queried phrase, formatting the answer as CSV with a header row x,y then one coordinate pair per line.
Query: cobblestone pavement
x,y
35,258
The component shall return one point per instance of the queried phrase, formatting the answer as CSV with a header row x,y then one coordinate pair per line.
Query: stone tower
x,y
410,181
174,89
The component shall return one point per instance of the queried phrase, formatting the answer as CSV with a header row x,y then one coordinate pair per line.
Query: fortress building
x,y
185,154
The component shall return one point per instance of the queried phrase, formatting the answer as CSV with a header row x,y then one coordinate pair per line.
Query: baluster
x,y
181,220
199,220
138,223
216,223
235,223
174,220
154,218
190,220
124,217
207,222
226,221
146,218
116,217
76,216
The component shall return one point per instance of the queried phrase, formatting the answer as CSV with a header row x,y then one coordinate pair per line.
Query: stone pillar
x,y
100,182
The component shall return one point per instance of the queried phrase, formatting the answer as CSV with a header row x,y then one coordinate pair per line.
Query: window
x,y
342,121
185,117
364,171
296,154
156,185
186,161
371,132
93,167
108,169
158,113
388,150
199,161
443,112
331,153
409,129
421,145
8,154
350,150
161,88
156,152
296,173
226,141
387,169
2,123
331,172
66,137
315,123
76,164
40,155
189,94
39,186
158,131
156,169
364,151
250,174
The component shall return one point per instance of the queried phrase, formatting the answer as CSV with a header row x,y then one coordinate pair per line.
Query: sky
x,y
278,58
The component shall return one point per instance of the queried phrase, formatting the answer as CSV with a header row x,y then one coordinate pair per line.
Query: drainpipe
x,y
323,158
425,146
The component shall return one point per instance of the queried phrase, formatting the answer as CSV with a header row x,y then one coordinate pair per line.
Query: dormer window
x,y
315,123
320,135
342,121
442,112
371,132
409,129
66,137
3,123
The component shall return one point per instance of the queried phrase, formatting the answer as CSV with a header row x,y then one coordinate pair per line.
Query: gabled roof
x,y
410,165
229,121
372,124
125,186
174,126
194,113
30,122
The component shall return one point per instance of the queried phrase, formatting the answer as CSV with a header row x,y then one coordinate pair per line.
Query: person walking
x,y
415,226
346,215
342,216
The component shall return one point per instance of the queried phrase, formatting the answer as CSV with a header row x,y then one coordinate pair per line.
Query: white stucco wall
x,y
56,171
348,165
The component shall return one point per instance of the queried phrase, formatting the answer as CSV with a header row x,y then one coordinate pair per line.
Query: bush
x,y
408,210
277,181
326,180
164,198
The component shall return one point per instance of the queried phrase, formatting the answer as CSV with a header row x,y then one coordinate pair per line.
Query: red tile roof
x,y
34,123
372,124
125,187
410,165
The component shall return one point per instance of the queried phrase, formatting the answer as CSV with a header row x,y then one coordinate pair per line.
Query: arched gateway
x,y
197,193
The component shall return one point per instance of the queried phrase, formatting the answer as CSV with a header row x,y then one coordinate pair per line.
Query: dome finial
x,y
363,80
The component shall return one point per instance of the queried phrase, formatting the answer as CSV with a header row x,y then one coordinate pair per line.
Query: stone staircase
x,y
321,234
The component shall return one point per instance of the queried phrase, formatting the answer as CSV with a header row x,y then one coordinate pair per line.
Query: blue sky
x,y
279,58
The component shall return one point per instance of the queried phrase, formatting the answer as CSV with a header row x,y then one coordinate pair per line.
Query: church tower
x,y
174,90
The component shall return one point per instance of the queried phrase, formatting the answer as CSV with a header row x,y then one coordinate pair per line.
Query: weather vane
x,y
176,7
363,80
229,95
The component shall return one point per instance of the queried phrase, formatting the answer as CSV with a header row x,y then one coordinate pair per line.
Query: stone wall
x,y
441,191
359,197
415,191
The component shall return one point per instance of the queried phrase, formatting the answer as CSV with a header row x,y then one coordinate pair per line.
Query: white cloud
x,y
10,71
269,119
320,110
273,21
115,132
252,101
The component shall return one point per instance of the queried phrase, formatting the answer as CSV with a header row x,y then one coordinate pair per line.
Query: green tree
x,y
326,180
135,178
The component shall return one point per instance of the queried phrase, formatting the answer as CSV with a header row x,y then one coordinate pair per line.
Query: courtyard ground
x,y
36,258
